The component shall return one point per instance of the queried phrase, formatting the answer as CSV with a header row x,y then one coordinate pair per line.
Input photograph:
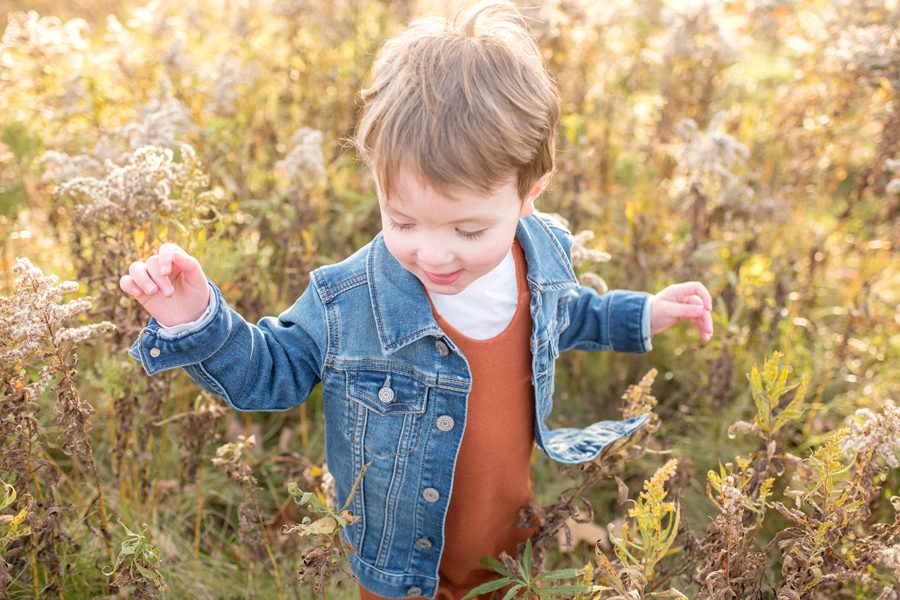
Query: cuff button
x,y
154,352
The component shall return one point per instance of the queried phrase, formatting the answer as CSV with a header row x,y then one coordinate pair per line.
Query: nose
x,y
433,256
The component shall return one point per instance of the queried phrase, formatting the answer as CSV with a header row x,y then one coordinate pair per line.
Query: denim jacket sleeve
x,y
618,320
265,367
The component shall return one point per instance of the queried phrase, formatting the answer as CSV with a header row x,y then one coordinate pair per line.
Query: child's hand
x,y
689,301
170,285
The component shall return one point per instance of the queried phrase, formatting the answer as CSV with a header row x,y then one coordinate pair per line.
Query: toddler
x,y
435,343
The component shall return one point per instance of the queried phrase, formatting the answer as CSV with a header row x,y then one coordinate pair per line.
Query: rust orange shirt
x,y
492,477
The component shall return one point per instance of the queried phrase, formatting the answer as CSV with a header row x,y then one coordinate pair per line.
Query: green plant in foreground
x,y
12,527
518,576
768,388
323,559
643,542
138,565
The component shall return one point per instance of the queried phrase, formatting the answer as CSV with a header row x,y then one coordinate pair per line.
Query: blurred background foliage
x,y
753,145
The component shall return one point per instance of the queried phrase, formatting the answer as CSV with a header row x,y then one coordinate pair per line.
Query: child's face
x,y
450,241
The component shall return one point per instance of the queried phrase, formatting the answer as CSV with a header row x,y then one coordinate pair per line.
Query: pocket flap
x,y
385,392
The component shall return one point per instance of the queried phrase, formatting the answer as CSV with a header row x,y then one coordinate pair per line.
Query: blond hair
x,y
466,104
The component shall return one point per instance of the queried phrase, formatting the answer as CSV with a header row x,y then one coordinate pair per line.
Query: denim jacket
x,y
395,386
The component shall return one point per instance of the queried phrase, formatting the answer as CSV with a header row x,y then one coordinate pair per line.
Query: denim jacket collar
x,y
407,317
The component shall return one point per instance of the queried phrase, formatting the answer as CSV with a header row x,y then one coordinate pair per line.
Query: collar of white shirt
x,y
486,306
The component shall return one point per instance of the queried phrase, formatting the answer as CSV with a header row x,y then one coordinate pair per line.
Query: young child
x,y
435,343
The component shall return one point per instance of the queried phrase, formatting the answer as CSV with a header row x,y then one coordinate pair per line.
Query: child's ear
x,y
528,204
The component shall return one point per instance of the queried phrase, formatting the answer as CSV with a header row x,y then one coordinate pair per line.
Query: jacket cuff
x,y
645,324
158,351
629,321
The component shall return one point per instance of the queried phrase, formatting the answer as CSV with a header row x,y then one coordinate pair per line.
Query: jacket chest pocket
x,y
385,411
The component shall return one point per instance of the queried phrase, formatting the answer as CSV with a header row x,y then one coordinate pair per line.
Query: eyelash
x,y
469,235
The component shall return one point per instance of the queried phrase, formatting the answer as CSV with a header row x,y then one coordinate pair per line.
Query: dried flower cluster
x,y
34,333
232,458
304,163
865,39
228,78
139,191
698,32
162,123
32,34
200,427
581,254
877,433
707,160
732,565
32,320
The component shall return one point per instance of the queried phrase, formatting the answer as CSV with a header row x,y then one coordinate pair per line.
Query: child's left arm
x,y
624,320
689,301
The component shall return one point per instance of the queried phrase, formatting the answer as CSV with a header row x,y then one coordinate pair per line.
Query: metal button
x,y
445,423
442,348
430,495
414,591
154,352
386,394
424,543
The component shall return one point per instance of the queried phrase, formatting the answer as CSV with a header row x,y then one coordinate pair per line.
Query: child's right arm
x,y
270,366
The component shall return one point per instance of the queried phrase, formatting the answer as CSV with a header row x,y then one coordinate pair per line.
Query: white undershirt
x,y
486,306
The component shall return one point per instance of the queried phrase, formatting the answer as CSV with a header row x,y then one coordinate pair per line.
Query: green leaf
x,y
513,591
574,588
526,560
484,588
496,565
147,573
559,574
794,410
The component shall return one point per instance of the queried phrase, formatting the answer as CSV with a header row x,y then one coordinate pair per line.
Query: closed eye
x,y
400,226
471,235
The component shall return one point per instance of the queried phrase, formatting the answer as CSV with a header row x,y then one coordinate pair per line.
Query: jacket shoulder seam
x,y
328,291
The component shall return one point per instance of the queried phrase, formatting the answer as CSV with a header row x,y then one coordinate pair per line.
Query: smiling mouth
x,y
443,279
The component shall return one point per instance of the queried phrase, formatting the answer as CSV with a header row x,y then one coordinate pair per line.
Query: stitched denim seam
x,y
332,335
403,576
332,291
392,366
213,383
387,540
359,458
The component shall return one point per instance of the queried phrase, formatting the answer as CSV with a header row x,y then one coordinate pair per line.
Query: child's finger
x,y
688,289
185,261
166,252
138,271
153,268
685,311
127,284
